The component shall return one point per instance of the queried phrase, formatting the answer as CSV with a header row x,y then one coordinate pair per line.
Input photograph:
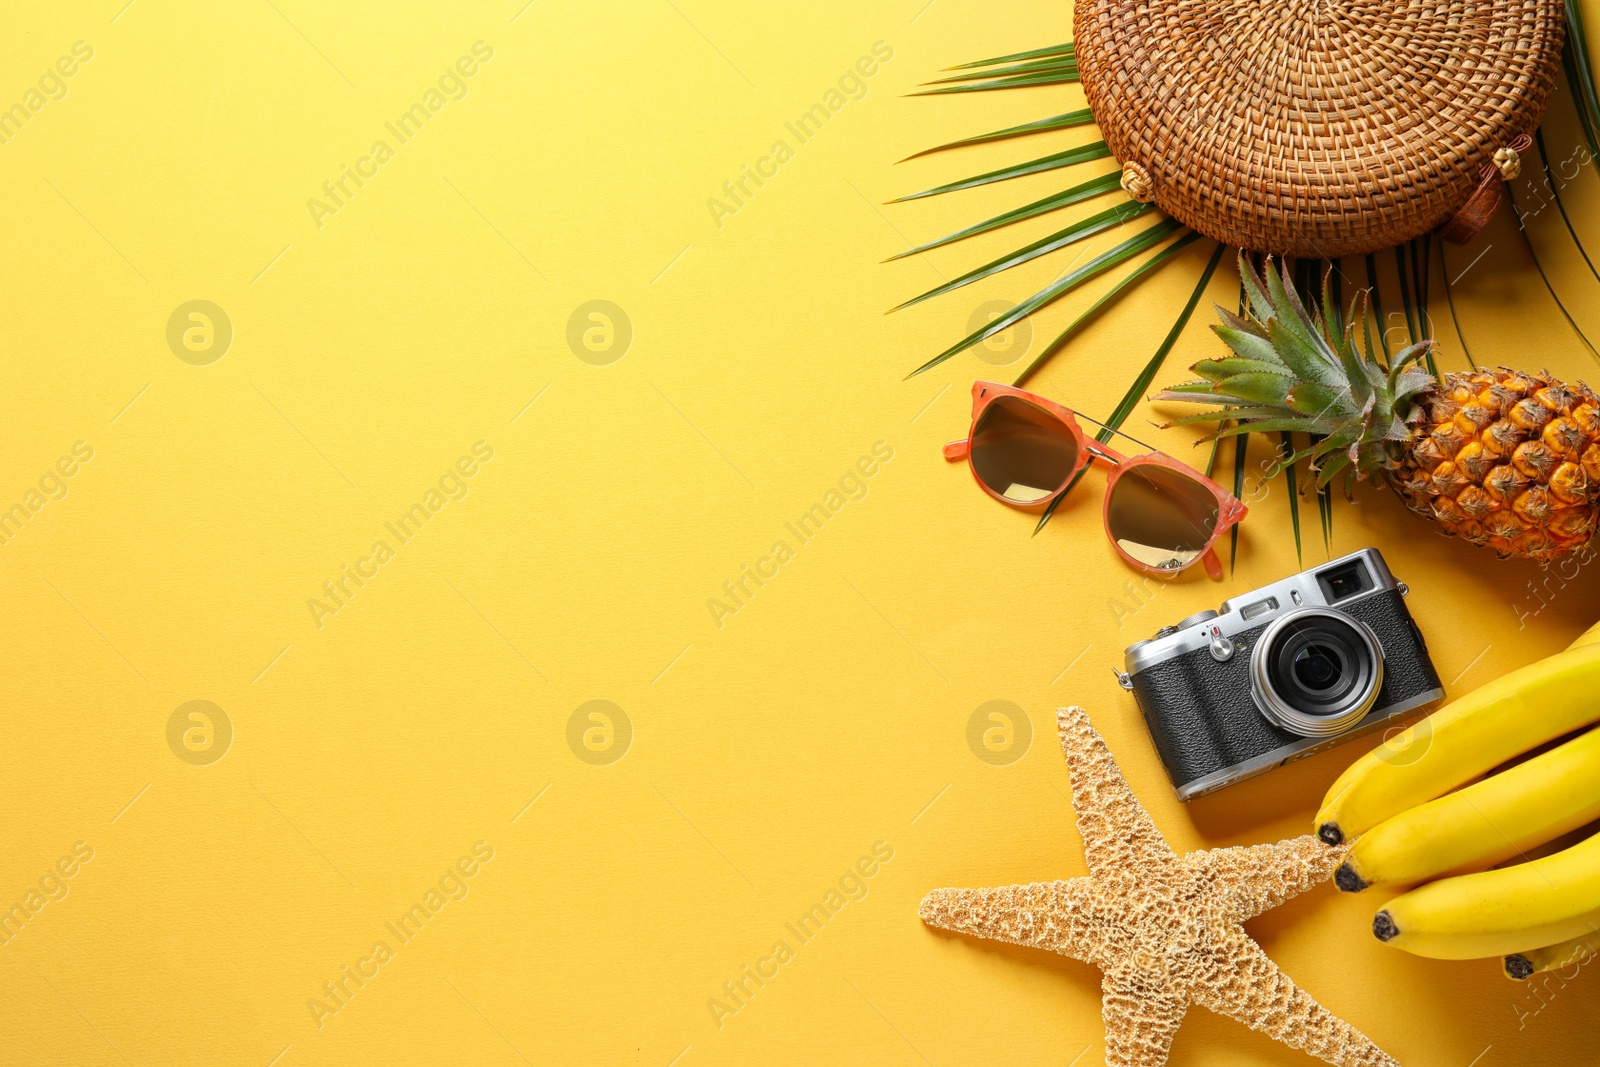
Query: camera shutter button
x,y
1221,647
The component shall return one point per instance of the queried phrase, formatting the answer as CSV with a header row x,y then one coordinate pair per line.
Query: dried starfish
x,y
1165,929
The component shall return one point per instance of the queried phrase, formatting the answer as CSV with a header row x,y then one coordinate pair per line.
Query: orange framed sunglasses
x,y
1160,515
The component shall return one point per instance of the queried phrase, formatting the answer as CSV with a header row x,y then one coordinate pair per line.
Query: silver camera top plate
x,y
1251,610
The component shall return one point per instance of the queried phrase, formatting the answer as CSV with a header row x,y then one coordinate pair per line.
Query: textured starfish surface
x,y
1165,929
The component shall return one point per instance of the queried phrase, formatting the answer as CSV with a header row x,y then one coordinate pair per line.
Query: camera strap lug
x,y
1124,680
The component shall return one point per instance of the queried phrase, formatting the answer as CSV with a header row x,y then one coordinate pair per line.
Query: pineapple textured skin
x,y
1506,459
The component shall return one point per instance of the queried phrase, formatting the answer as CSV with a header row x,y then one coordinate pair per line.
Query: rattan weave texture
x,y
1315,127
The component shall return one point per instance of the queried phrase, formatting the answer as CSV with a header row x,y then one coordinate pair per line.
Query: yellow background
x,y
768,754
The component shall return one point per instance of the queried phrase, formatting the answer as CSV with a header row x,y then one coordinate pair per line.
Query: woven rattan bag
x,y
1319,127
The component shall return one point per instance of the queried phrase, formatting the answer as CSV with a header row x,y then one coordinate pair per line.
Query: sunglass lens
x,y
1163,518
1021,451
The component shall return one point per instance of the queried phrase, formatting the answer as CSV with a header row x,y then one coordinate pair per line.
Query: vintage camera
x,y
1325,655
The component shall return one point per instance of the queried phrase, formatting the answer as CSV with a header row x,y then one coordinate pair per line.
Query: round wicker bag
x,y
1319,127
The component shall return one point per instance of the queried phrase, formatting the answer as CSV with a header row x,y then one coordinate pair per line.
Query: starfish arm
x,y
1117,832
1141,1018
1038,915
1249,987
1258,878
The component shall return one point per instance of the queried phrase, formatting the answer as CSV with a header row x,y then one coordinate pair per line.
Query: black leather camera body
x,y
1275,675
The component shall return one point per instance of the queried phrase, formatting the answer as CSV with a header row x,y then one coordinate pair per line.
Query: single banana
x,y
1487,822
1499,912
1579,951
1462,740
1588,637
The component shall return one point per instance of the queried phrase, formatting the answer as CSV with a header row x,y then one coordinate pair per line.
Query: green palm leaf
x,y
1078,231
1065,75
1286,462
1405,291
1580,79
1081,117
1555,195
1449,298
1052,65
1377,303
1053,50
1241,443
1325,508
1211,460
1110,296
1055,161
1141,384
1527,239
1055,290
1055,201
1423,262
1136,391
1413,299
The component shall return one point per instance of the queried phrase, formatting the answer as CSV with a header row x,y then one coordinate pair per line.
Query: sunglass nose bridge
x,y
1100,451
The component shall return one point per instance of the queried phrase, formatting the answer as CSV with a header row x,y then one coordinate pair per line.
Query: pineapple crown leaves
x,y
1295,369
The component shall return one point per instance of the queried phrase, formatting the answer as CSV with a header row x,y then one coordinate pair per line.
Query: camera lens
x,y
1316,672
1316,667
1313,664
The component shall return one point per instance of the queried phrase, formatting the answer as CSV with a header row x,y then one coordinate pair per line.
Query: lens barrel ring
x,y
1280,710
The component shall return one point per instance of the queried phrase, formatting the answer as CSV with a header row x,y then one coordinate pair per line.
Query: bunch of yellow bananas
x,y
1411,820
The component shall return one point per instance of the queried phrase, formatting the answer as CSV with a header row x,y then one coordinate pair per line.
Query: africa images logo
x,y
338,191
853,485
342,588
451,886
853,885
851,85
52,486
52,86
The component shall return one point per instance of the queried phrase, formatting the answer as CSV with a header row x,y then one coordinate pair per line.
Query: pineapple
x,y
1503,458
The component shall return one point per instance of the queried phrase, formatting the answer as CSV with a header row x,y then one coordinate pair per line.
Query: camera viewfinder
x,y
1345,581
